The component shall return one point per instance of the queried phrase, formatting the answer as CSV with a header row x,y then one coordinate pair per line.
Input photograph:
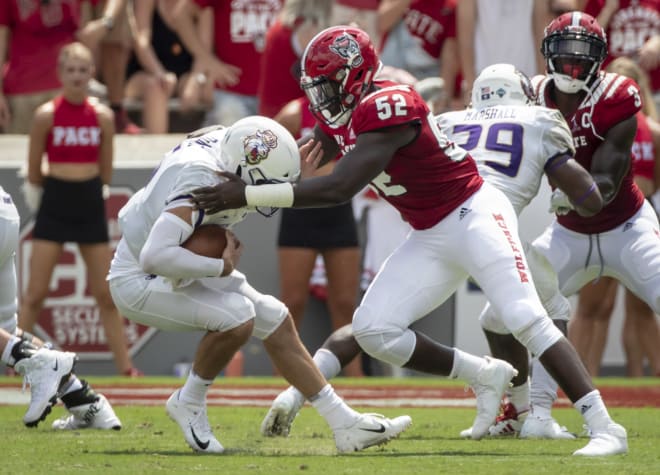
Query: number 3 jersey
x,y
610,100
424,180
511,145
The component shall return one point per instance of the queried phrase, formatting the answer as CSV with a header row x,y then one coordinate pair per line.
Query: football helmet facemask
x,y
574,48
261,151
338,67
502,84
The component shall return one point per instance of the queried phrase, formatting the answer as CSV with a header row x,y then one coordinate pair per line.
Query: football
x,y
207,240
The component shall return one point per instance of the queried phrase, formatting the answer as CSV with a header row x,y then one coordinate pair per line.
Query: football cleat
x,y
94,415
45,371
536,428
613,440
491,382
194,423
281,414
508,423
369,430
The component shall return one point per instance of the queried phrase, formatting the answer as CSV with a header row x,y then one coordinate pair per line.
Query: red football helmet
x,y
338,67
574,48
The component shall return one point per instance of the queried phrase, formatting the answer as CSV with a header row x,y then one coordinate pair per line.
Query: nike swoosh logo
x,y
204,445
380,430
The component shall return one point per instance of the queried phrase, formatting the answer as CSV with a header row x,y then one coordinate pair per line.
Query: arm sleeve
x,y
163,255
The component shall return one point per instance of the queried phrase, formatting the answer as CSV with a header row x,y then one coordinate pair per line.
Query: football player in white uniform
x,y
157,282
514,144
48,371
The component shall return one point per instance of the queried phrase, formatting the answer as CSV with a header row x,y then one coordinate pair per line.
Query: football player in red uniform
x,y
623,240
461,226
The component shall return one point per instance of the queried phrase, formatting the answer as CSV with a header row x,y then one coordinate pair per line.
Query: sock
x,y
195,388
519,397
7,357
329,367
327,363
73,384
593,409
333,409
466,366
84,395
22,349
543,391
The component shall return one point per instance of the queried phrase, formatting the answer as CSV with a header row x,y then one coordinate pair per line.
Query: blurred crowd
x,y
215,62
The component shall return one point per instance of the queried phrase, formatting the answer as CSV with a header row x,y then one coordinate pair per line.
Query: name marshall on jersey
x,y
70,135
491,113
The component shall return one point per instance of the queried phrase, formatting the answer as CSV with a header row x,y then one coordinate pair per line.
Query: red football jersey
x,y
643,150
631,25
428,178
75,136
612,98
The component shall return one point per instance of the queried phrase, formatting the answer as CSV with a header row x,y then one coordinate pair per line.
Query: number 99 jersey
x,y
424,180
511,145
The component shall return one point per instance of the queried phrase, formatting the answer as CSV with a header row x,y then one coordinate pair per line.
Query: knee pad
x,y
386,343
540,335
270,313
489,321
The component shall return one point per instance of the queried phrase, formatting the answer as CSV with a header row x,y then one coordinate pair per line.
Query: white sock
x,y
327,363
333,409
73,384
329,367
195,388
7,358
466,366
519,397
543,391
593,409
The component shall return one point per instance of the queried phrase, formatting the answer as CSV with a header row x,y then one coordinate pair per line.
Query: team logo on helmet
x,y
257,146
346,47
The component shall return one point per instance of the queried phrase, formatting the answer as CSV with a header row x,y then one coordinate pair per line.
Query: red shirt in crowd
x,y
629,28
37,31
280,71
240,36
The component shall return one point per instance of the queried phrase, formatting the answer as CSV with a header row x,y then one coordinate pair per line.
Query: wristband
x,y
278,195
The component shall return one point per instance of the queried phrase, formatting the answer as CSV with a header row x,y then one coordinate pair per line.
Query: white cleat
x,y
611,441
493,379
370,430
45,371
96,415
536,428
194,423
281,414
507,424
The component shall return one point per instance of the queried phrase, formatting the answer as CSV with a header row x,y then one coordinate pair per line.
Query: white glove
x,y
105,190
32,195
559,203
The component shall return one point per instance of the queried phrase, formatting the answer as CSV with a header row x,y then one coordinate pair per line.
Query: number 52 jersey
x,y
424,180
511,145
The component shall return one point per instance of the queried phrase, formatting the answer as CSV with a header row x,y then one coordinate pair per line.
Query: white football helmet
x,y
261,151
501,85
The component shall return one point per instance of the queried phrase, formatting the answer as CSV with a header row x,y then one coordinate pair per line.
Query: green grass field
x,y
151,443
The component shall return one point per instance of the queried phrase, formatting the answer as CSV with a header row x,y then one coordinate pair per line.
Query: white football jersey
x,y
511,145
191,164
